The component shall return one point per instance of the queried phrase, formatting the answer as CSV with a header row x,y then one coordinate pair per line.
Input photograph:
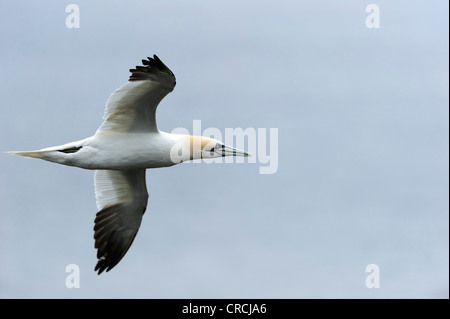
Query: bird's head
x,y
197,147
211,148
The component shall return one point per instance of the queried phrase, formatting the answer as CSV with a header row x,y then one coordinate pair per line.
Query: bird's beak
x,y
230,151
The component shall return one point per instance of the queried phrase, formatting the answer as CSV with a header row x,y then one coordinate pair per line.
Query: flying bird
x,y
126,144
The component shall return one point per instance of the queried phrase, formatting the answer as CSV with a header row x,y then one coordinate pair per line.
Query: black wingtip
x,y
102,266
152,65
112,238
156,58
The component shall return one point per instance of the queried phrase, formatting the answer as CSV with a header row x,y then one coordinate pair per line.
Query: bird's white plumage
x,y
124,146
112,187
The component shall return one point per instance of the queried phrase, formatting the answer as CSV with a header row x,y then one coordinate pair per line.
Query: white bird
x,y
124,146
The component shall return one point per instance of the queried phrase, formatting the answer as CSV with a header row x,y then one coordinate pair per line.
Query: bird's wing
x,y
121,199
132,107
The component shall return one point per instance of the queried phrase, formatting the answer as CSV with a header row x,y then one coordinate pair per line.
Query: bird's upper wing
x,y
132,107
121,199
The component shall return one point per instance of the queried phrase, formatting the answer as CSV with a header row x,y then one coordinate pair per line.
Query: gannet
x,y
126,144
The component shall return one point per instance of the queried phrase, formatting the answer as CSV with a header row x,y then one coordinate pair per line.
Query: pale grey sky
x,y
362,116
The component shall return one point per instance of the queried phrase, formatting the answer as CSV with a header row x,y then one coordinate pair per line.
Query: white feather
x,y
114,187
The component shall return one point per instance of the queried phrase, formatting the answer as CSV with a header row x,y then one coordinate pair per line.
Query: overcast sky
x,y
363,148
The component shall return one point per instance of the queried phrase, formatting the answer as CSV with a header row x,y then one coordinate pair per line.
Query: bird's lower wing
x,y
121,199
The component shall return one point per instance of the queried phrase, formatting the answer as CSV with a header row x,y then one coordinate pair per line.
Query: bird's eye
x,y
218,146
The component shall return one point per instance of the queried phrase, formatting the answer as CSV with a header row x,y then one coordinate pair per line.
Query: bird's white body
x,y
118,151
124,146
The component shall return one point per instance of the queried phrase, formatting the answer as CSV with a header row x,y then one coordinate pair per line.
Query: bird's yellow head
x,y
190,147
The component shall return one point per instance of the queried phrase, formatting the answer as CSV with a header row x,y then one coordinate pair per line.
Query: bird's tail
x,y
32,154
62,154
